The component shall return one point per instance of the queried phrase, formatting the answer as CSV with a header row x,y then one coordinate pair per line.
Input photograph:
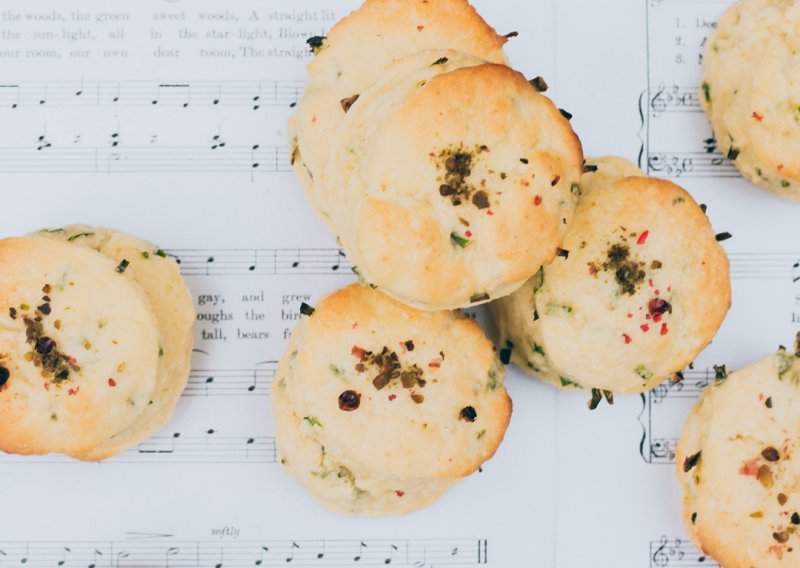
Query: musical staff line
x,y
51,159
417,553
314,261
677,553
254,94
231,382
179,449
674,98
654,447
707,164
266,261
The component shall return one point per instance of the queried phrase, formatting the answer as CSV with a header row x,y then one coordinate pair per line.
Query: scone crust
x,y
751,89
735,462
642,288
399,221
171,302
343,68
99,375
437,412
335,485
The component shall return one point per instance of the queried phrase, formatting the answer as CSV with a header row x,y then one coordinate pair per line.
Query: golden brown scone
x,y
452,188
736,464
338,487
78,348
751,92
355,54
641,287
172,305
404,402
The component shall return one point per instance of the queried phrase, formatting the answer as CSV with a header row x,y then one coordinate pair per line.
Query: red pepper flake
x,y
780,167
630,316
656,318
357,351
749,468
627,338
420,28
489,212
758,117
645,328
669,288
400,493
760,397
112,382
643,238
776,551
592,269
47,386
72,361
436,363
537,200
392,396
355,325
657,293
664,329
431,154
468,233
74,391
650,282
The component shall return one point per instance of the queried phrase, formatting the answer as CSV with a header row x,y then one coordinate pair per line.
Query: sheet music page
x,y
166,119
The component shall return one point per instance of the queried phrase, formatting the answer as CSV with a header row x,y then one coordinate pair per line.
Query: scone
x,y
751,92
93,355
380,408
169,298
453,184
639,289
355,54
736,464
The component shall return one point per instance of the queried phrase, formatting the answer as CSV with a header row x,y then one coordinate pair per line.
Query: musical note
x,y
94,558
42,143
361,548
217,142
340,255
171,551
264,550
392,550
63,560
295,546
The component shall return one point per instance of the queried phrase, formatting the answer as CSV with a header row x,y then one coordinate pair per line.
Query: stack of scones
x,y
451,180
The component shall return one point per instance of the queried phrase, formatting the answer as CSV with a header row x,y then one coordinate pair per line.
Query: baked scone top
x,y
389,390
79,347
474,210
641,287
751,91
736,463
343,67
171,301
